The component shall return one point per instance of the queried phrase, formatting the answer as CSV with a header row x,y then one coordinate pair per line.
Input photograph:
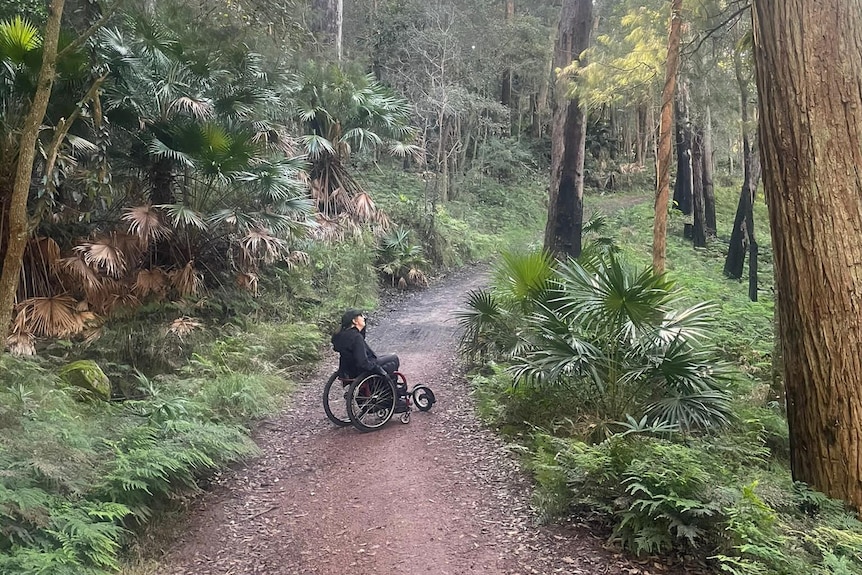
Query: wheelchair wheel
x,y
423,397
335,401
370,402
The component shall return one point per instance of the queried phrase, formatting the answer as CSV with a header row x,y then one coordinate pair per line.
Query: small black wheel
x,y
335,401
405,417
423,397
370,402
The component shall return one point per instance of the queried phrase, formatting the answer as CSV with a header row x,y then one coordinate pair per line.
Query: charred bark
x,y
568,137
682,192
698,202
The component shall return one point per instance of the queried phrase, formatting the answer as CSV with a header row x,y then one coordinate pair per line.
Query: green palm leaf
x,y
317,146
18,37
183,216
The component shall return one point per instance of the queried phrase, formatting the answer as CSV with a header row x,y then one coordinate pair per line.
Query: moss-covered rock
x,y
88,376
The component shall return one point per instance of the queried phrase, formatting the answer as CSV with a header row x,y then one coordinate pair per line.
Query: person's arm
x,y
360,357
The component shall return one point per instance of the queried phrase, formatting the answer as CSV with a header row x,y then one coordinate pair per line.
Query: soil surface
x,y
441,495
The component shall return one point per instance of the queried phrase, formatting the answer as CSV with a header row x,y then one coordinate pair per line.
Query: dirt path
x,y
438,496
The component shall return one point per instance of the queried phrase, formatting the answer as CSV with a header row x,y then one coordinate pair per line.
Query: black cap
x,y
348,317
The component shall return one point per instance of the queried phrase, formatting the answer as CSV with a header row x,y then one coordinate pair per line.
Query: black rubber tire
x,y
334,391
423,397
370,402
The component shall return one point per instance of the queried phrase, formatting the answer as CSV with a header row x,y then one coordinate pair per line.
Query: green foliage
x,y
75,474
238,397
401,260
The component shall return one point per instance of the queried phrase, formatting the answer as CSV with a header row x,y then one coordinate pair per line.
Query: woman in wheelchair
x,y
357,358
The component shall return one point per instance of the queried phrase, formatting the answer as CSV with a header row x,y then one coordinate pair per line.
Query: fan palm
x,y
219,165
612,333
341,113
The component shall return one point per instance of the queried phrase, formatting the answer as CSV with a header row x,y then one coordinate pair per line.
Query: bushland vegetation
x,y
648,402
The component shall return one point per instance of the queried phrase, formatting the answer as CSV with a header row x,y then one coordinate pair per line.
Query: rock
x,y
88,376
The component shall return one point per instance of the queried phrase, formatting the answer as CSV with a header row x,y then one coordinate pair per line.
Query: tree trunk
x,y
707,171
18,222
808,58
750,238
327,22
568,137
698,200
506,90
659,236
735,260
643,130
682,189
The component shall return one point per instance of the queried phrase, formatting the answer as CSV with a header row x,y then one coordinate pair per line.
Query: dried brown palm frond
x,y
21,344
187,280
417,277
247,281
37,268
340,201
56,316
297,258
183,326
153,281
101,298
363,207
145,223
275,137
381,222
315,190
104,254
402,283
80,271
259,244
123,300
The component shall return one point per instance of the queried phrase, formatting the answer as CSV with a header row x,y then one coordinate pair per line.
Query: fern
x,y
90,532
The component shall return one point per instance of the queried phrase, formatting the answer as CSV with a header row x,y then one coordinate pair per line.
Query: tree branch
x,y
715,29
91,30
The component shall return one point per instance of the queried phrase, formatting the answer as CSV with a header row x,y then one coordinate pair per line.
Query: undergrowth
x,y
80,480
725,496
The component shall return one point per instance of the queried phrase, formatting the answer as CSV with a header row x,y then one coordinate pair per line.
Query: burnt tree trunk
x,y
707,171
642,130
808,59
568,137
698,200
682,192
750,238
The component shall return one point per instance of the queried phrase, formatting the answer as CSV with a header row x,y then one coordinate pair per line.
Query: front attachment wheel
x,y
423,397
335,401
370,402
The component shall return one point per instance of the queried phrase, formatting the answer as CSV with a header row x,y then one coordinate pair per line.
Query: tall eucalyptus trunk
x,y
568,137
808,61
664,154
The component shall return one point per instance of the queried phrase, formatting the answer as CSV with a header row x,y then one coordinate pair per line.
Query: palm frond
x,y
57,316
153,281
187,280
145,223
104,254
181,215
18,37
317,147
159,149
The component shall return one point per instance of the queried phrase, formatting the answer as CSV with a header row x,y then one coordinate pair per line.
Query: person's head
x,y
353,318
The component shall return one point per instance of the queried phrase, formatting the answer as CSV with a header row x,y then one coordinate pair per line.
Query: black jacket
x,y
355,355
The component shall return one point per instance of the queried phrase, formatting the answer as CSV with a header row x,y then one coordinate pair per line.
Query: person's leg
x,y
390,363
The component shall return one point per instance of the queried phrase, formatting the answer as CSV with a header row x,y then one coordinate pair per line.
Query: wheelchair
x,y
369,401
